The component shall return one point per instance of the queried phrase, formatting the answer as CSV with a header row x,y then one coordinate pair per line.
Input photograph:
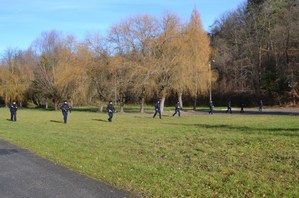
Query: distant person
x,y
157,109
229,107
65,108
211,106
177,109
261,105
110,110
242,105
13,111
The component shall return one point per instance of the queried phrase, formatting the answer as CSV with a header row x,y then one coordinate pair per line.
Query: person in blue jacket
x,y
177,109
13,111
65,108
157,109
110,110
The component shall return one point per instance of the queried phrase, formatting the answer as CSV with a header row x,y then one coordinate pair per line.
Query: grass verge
x,y
198,155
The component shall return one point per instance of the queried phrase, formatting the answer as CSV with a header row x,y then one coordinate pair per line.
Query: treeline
x,y
142,59
256,52
251,53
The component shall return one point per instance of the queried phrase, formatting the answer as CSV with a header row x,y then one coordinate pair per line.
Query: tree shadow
x,y
8,151
249,130
100,120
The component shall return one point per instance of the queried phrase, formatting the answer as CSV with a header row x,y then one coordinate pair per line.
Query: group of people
x,y
158,109
65,108
229,106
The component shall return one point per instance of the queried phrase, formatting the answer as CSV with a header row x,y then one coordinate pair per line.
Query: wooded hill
x,y
256,52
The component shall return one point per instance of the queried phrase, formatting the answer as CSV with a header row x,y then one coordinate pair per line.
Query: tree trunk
x,y
162,103
195,103
180,98
47,106
56,103
122,105
101,106
142,105
71,102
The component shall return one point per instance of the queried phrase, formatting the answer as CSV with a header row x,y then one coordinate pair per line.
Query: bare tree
x,y
168,56
134,39
15,76
57,73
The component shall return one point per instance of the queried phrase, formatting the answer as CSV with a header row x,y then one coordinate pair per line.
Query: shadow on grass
x,y
55,121
100,120
245,129
8,151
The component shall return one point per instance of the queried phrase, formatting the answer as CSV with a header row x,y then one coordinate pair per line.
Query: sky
x,y
23,21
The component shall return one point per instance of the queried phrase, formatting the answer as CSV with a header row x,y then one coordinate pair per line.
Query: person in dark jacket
x,y
13,111
261,105
157,109
242,106
110,110
229,107
65,108
177,109
211,106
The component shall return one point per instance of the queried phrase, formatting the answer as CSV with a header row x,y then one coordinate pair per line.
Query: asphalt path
x,y
24,175
292,112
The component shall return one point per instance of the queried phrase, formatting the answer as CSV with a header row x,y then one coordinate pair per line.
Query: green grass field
x,y
196,155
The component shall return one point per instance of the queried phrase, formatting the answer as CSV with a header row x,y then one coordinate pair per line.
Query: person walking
x,y
157,109
65,108
261,105
110,110
211,106
177,109
229,107
13,111
242,107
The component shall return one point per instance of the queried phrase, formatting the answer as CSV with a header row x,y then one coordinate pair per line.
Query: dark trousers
x,y
229,109
110,114
260,108
211,110
64,113
177,111
157,112
242,110
13,116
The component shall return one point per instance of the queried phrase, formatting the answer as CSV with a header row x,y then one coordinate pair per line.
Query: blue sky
x,y
22,21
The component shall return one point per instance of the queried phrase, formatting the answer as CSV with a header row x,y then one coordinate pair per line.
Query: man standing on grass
x,y
157,109
110,110
13,111
177,109
65,107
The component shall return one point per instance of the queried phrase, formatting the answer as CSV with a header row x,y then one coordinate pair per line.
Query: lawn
x,y
196,155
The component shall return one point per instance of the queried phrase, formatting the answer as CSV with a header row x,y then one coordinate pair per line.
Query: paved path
x,y
264,112
24,175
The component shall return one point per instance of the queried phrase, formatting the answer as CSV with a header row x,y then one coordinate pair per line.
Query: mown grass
x,y
198,155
